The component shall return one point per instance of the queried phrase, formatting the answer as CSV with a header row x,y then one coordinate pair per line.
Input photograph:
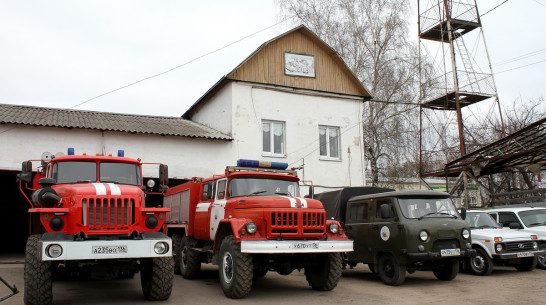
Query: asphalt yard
x,y
357,286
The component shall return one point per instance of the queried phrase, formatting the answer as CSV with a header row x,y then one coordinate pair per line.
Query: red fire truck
x,y
88,217
251,220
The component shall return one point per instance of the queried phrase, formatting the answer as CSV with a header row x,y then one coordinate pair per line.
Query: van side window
x,y
506,218
221,193
358,211
381,202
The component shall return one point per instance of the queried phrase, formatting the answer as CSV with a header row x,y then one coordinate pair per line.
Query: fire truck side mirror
x,y
26,172
163,176
311,192
210,190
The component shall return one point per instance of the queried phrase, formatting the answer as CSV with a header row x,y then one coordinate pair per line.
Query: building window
x,y
329,142
273,138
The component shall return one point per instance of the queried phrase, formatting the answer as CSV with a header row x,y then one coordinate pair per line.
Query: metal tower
x,y
457,85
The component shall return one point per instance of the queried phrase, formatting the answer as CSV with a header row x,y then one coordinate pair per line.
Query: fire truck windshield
x,y
247,186
86,172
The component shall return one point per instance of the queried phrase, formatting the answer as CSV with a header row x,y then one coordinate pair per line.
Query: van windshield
x,y
427,207
247,186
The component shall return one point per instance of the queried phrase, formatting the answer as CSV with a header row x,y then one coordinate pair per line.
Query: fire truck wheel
x,y
189,260
324,274
235,269
390,271
176,252
157,278
38,275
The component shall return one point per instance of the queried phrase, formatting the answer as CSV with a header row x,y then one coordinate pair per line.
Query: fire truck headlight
x,y
161,247
56,223
150,183
151,222
54,250
334,228
251,227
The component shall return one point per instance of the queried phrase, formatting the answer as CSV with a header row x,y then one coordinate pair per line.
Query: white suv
x,y
495,246
530,220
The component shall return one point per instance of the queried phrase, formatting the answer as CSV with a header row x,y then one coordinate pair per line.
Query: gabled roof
x,y
106,121
264,66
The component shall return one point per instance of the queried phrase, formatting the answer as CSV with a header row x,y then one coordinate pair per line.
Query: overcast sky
x,y
61,53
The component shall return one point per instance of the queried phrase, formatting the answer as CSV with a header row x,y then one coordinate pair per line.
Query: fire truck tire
x,y
189,260
157,278
324,274
235,269
177,239
38,275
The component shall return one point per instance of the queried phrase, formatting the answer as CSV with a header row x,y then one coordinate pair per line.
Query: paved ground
x,y
357,286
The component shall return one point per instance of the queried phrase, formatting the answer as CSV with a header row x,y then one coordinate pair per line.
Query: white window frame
x,y
328,156
271,139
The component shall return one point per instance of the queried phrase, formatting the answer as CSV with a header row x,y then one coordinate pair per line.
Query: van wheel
x,y
390,271
324,274
541,260
38,275
448,271
235,269
189,260
176,252
156,278
481,264
527,264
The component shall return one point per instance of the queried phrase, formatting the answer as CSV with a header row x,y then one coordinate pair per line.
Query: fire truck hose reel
x,y
45,197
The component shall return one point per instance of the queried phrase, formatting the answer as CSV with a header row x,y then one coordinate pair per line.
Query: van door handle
x,y
375,227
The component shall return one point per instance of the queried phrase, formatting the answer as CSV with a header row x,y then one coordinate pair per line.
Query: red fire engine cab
x,y
251,220
88,216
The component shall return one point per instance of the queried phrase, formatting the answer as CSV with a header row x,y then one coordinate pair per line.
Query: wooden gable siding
x,y
267,66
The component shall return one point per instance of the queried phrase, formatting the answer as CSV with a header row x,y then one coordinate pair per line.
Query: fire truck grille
x,y
296,223
108,213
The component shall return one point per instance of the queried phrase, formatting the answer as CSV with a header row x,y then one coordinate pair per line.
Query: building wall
x,y
302,114
217,113
186,157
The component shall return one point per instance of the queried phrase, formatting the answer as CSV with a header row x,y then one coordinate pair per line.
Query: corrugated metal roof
x,y
106,121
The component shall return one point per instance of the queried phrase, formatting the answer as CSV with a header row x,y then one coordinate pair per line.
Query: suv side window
x,y
358,211
506,218
381,202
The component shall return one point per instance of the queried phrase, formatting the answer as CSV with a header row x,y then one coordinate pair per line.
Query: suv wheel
x,y
541,260
527,264
481,264
390,271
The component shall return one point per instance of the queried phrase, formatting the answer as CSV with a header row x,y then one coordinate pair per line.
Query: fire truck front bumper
x,y
296,246
56,247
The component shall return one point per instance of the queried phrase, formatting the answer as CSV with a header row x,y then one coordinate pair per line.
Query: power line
x,y
531,64
176,67
493,8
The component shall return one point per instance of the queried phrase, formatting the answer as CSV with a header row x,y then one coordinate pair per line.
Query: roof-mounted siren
x,y
70,151
261,164
46,158
121,153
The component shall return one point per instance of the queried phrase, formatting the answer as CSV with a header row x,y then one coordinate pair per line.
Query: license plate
x,y
450,252
305,245
109,249
525,254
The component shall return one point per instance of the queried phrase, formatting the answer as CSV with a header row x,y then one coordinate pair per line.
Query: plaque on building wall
x,y
299,65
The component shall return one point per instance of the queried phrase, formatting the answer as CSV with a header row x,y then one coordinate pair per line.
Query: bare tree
x,y
372,37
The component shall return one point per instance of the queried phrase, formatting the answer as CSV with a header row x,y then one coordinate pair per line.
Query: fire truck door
x,y
218,207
